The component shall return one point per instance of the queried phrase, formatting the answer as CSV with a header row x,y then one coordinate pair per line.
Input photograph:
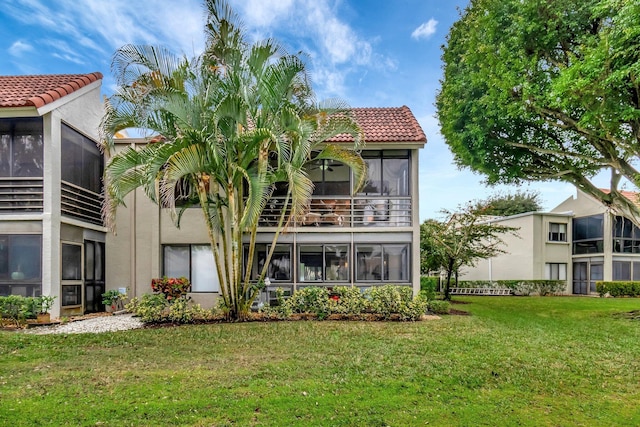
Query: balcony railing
x,y
81,204
19,195
346,212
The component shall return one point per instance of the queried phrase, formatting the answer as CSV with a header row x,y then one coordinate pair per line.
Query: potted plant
x,y
113,300
44,304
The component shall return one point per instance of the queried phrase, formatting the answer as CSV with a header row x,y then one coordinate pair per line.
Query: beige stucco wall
x,y
525,253
134,252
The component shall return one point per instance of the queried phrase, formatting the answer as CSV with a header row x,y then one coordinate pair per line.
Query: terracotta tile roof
x,y
631,195
396,124
36,91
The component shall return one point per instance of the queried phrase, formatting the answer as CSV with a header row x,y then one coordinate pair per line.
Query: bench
x,y
480,291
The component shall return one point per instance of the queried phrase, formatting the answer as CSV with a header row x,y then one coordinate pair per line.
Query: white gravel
x,y
94,325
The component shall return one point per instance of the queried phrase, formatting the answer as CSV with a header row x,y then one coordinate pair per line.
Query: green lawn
x,y
515,361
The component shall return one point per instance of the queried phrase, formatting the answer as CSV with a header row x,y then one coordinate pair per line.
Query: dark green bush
x,y
429,286
18,309
618,288
439,307
313,299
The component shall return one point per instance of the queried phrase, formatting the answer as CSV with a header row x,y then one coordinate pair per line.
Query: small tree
x,y
461,239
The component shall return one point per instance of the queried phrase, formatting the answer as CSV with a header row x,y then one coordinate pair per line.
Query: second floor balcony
x,y
356,211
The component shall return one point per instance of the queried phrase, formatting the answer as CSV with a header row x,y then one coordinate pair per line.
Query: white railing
x,y
345,212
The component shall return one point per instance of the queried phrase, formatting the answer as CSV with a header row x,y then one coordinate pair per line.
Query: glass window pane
x,y
71,262
204,277
99,261
369,262
89,264
396,262
71,295
636,271
396,177
373,183
176,261
621,270
280,265
27,152
5,151
310,267
336,262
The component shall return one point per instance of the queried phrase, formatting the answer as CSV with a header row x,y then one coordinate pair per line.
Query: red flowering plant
x,y
172,288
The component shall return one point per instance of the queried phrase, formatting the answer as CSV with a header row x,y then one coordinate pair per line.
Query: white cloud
x,y
264,13
425,30
19,47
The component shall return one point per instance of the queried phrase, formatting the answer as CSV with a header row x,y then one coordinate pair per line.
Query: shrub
x,y
519,287
429,286
439,307
172,288
618,288
155,308
281,310
347,300
149,307
18,309
310,300
389,300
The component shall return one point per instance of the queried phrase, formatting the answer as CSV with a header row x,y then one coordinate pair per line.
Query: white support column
x,y
51,210
415,221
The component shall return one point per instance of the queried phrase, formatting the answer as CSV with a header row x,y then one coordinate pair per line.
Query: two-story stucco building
x,y
364,239
580,241
52,240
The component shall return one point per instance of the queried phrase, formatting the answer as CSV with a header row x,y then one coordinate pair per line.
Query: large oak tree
x,y
546,90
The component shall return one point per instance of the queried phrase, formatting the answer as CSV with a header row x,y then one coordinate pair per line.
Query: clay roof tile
x,y
390,124
39,90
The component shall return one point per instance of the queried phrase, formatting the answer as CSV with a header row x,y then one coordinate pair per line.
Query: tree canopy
x,y
460,239
506,204
227,126
546,91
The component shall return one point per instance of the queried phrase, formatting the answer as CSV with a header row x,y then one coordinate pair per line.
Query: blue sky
x,y
370,53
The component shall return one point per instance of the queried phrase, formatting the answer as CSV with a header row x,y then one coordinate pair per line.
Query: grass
x,y
515,361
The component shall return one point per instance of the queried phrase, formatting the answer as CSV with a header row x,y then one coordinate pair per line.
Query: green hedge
x,y
618,289
519,287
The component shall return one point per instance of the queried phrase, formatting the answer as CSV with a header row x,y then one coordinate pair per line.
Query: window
x,y
330,178
20,264
195,262
387,173
588,235
279,268
21,147
382,262
556,271
323,263
71,274
557,232
82,161
621,270
626,236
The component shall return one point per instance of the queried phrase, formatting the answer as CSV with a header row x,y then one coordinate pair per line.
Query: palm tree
x,y
226,126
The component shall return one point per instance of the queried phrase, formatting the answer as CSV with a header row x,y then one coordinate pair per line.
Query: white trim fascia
x,y
22,217
12,112
68,98
85,225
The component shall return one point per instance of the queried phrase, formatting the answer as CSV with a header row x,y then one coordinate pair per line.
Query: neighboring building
x,y
579,241
51,235
368,239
